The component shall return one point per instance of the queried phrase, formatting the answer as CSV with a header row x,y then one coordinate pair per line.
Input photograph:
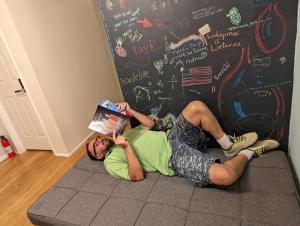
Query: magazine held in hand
x,y
109,118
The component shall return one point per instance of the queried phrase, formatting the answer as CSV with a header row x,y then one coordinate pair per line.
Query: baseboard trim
x,y
3,157
296,180
76,148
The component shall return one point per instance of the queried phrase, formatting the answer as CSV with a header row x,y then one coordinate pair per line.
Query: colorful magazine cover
x,y
109,118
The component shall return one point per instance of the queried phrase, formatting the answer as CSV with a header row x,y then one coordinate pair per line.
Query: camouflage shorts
x,y
186,160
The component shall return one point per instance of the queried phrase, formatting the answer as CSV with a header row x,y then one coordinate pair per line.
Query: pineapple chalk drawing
x,y
120,51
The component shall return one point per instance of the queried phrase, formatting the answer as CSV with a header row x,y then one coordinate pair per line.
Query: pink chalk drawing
x,y
205,29
145,22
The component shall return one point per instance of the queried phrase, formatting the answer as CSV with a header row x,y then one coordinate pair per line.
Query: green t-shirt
x,y
152,148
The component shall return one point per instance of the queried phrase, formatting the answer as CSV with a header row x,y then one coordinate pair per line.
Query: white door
x,y
17,105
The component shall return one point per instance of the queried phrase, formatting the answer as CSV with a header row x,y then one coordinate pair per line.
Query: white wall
x,y
67,48
294,141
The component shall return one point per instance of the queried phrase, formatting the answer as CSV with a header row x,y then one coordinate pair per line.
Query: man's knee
x,y
196,106
221,175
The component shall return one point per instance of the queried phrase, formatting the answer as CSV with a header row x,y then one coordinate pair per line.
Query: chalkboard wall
x,y
236,56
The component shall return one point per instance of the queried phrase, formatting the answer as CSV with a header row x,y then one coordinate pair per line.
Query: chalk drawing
x,y
160,84
225,67
262,61
238,78
184,40
159,66
145,22
173,80
123,4
157,109
132,35
179,63
213,89
120,51
141,93
238,109
196,76
205,29
234,16
109,4
205,12
194,91
282,60
259,31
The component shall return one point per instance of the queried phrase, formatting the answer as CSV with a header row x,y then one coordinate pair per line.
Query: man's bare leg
x,y
228,172
197,113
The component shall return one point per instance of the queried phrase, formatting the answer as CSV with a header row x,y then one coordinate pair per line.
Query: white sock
x,y
249,154
225,142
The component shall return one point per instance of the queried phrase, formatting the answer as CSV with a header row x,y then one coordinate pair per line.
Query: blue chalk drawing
x,y
238,109
259,82
269,29
239,78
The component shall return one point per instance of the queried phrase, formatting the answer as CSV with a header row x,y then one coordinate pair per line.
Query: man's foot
x,y
263,146
240,143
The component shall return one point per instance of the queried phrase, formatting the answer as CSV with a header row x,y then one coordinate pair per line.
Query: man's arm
x,y
143,119
135,170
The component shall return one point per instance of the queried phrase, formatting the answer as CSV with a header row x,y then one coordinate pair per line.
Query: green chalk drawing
x,y
235,16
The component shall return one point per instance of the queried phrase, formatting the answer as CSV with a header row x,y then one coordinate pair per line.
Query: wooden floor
x,y
24,178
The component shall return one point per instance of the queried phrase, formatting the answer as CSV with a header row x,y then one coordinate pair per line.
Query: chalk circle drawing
x,y
259,28
232,91
282,60
142,96
159,66
246,120
120,51
234,16
263,124
141,93
203,54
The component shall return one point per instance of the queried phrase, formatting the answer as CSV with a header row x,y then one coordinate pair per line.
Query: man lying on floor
x,y
175,152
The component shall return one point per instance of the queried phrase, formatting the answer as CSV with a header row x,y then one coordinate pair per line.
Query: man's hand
x,y
145,120
135,170
125,107
120,140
